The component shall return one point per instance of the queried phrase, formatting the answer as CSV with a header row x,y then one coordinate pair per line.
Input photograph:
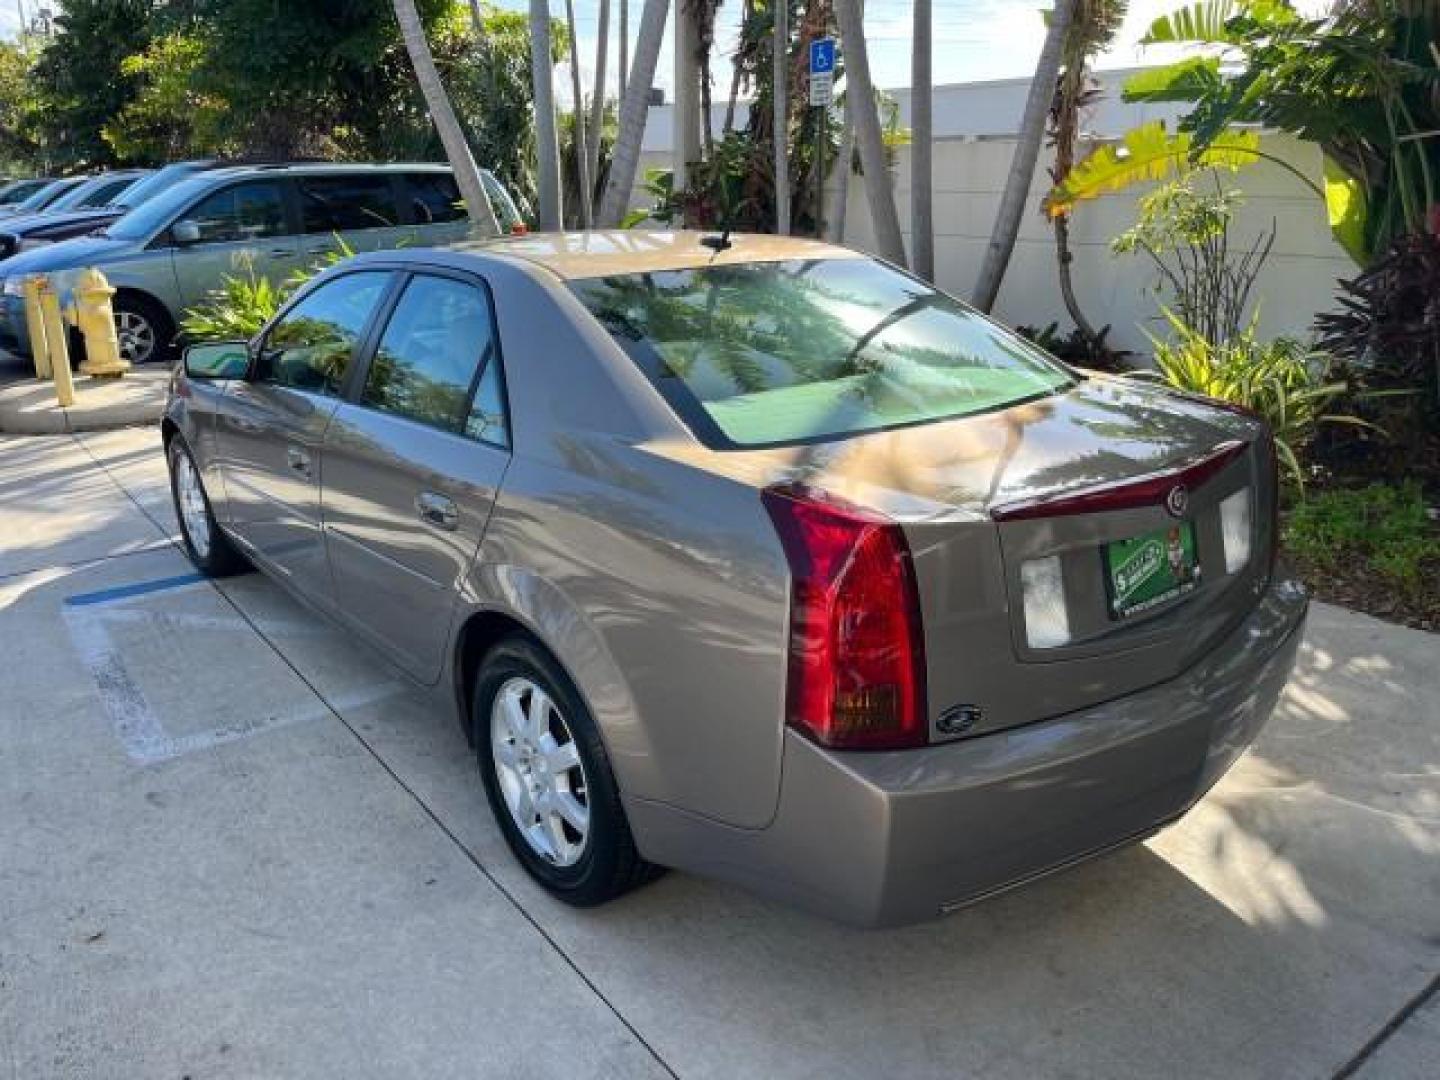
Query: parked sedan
x,y
754,557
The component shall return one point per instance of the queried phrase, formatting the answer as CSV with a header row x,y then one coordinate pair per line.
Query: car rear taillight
x,y
856,675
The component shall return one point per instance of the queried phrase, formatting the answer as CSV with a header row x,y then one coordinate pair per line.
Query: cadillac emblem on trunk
x,y
1177,501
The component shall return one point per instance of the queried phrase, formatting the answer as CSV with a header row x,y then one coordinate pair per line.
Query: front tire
x,y
208,547
548,778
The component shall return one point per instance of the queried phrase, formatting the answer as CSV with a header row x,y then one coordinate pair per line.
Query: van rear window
x,y
779,353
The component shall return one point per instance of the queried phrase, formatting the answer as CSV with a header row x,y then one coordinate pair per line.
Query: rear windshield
x,y
778,353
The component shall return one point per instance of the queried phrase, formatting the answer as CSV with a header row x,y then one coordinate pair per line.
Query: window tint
x,y
105,194
434,198
346,203
242,212
311,346
436,342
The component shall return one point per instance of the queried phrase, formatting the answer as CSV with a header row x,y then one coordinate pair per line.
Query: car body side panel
x,y
665,591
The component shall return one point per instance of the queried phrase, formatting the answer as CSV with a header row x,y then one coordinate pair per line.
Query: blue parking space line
x,y
139,588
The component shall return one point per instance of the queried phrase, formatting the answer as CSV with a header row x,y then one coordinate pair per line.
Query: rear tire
x,y
548,778
207,545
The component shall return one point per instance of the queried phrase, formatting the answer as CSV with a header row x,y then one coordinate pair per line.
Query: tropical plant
x,y
236,311
1361,81
245,302
1086,349
780,123
1388,324
1184,231
1022,166
1289,385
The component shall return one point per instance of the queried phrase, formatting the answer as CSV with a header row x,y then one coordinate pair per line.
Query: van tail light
x,y
856,677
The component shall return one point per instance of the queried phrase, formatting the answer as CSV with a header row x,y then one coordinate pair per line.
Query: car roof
x,y
323,168
603,253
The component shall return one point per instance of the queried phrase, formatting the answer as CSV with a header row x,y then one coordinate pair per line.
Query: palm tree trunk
x,y
624,46
780,96
547,146
835,220
442,114
735,73
597,102
922,147
582,149
633,110
1022,166
1065,257
860,101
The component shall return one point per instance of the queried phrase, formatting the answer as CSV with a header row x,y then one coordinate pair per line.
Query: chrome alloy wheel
x,y
194,518
541,776
136,335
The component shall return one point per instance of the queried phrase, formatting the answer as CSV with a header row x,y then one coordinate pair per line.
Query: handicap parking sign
x,y
822,56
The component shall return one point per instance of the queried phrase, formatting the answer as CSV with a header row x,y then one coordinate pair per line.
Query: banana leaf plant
x,y
1362,82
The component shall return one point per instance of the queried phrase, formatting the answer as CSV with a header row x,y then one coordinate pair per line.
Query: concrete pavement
x,y
28,406
233,844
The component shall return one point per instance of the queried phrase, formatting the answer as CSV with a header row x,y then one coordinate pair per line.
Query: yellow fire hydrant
x,y
35,324
95,317
55,339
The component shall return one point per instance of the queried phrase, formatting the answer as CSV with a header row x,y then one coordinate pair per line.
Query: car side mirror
x,y
185,232
218,360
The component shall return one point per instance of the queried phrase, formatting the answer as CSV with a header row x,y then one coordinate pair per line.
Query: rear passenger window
x,y
346,203
310,348
438,340
434,198
242,212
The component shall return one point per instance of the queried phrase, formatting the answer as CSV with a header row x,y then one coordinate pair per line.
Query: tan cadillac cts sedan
x,y
754,557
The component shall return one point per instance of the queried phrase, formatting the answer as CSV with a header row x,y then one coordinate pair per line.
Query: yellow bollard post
x,y
96,320
35,324
59,348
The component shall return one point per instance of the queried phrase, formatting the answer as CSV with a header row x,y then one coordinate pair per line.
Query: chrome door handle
x,y
437,510
298,460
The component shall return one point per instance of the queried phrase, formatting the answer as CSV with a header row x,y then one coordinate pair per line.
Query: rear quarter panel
x,y
659,586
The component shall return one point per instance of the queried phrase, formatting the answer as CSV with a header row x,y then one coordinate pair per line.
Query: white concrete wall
x,y
1299,280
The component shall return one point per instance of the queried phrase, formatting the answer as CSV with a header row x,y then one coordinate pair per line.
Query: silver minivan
x,y
270,220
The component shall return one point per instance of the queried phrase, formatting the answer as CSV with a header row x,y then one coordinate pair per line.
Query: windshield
x,y
154,214
20,190
42,198
771,354
155,183
93,192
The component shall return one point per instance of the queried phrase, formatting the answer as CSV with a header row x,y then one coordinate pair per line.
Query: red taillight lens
x,y
857,658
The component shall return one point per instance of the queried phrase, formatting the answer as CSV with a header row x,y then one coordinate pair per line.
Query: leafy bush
x,y
1385,529
245,302
1185,233
1077,347
1388,324
1287,384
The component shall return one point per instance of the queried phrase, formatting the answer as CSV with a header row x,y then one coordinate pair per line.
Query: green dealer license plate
x,y
1147,571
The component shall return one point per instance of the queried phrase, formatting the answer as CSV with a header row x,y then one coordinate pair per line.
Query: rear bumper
x,y
883,839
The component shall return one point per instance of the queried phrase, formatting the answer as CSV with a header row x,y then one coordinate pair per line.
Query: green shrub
x,y
245,302
1385,529
1282,380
